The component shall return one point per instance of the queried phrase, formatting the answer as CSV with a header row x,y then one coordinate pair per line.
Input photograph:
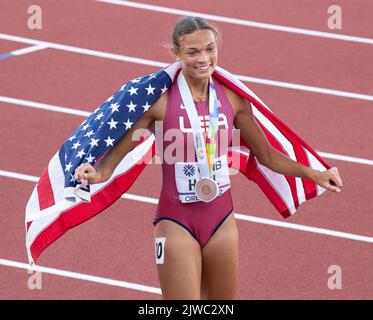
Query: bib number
x,y
187,175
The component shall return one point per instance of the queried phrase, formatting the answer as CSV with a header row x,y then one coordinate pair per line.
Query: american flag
x,y
59,203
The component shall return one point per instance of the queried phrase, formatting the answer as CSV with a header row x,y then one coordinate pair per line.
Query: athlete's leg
x,y
180,274
220,262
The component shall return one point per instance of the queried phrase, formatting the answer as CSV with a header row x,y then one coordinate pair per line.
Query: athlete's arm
x,y
269,156
107,164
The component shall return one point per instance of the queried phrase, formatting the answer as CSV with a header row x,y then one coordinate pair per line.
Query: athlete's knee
x,y
220,291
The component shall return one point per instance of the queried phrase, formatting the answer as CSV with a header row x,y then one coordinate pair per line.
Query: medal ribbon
x,y
213,128
205,153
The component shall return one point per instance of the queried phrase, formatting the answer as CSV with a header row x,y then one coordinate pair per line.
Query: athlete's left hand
x,y
329,179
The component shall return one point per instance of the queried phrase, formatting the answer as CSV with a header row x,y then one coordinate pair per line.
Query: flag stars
x,y
128,124
132,107
112,124
90,158
133,90
72,178
150,89
133,100
68,167
109,141
76,145
72,138
164,89
114,107
94,142
99,116
146,106
80,154
88,134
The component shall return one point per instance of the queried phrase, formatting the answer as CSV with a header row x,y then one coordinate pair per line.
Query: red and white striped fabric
x,y
49,214
65,214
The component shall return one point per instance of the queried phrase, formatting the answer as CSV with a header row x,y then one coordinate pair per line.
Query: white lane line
x,y
81,276
27,50
241,22
95,53
300,227
43,106
19,176
301,87
345,158
135,197
158,64
238,216
49,107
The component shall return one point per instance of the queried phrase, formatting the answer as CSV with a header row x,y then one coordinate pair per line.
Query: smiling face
x,y
198,53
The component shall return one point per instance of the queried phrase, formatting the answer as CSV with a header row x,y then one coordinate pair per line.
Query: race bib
x,y
187,175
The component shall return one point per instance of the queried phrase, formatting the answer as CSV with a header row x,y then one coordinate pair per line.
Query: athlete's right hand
x,y
87,173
